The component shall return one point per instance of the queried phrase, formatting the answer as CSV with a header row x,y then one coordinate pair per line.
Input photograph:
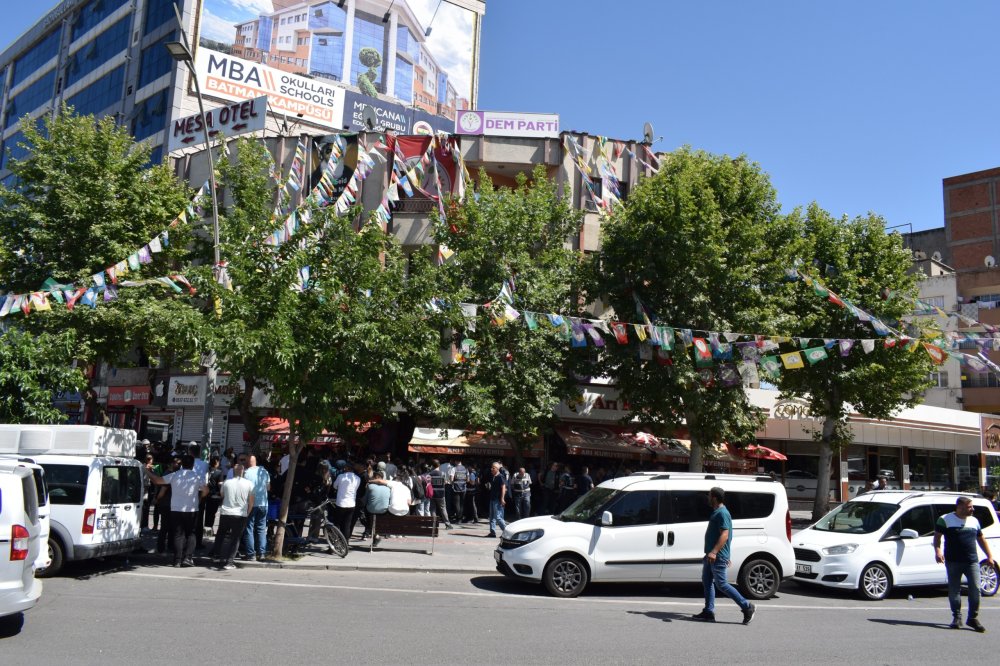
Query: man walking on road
x,y
237,502
718,537
255,534
961,532
498,499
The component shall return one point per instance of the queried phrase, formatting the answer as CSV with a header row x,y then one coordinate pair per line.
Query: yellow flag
x,y
640,331
792,360
41,301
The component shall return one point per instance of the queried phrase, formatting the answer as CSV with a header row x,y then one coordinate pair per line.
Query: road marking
x,y
494,595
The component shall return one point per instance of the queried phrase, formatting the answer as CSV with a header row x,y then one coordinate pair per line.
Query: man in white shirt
x,y
187,488
200,467
237,501
346,484
400,498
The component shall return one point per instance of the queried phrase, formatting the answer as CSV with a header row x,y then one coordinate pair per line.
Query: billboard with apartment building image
x,y
422,54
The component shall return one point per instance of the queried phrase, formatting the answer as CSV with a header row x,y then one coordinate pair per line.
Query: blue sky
x,y
856,104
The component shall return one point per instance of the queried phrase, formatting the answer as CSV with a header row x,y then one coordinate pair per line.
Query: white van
x,y
650,527
95,487
38,473
20,542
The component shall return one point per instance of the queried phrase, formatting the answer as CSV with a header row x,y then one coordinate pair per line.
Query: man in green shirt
x,y
718,537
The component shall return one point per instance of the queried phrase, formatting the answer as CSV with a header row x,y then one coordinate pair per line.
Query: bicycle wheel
x,y
335,540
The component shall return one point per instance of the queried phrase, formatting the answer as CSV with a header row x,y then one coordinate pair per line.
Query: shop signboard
x,y
390,116
231,120
186,391
500,123
121,396
420,53
990,434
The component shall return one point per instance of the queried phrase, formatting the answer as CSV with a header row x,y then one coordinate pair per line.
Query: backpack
x,y
417,487
428,488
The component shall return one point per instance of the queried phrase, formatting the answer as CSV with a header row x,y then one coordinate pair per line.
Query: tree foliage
x,y
512,377
701,245
32,370
82,200
860,262
353,341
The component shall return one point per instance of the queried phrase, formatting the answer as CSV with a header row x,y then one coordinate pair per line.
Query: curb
x,y
303,566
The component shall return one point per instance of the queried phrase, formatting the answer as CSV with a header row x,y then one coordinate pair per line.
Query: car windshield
x,y
585,508
857,517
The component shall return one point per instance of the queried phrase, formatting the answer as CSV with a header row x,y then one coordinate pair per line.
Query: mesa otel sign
x,y
235,79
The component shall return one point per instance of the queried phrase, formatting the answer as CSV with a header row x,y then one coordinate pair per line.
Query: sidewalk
x,y
463,550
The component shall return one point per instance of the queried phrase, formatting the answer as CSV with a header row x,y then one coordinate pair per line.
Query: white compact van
x,y
650,527
20,543
38,474
95,487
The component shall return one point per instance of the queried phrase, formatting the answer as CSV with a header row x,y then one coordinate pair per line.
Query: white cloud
x,y
254,7
451,40
216,28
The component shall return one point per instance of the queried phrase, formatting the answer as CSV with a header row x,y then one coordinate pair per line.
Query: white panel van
x,y
95,487
20,543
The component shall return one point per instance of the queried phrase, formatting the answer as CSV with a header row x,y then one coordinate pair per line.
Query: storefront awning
x,y
435,441
275,430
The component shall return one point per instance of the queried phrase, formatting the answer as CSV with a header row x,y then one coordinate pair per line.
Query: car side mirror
x,y
606,519
908,534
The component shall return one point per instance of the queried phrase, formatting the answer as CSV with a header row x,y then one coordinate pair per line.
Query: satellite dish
x,y
647,132
936,256
919,255
369,119
990,261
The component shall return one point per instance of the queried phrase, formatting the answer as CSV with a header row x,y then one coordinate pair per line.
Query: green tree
x,y
356,339
702,246
371,59
81,201
512,377
864,265
32,369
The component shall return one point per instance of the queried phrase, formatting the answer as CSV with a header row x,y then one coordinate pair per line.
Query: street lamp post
x,y
181,52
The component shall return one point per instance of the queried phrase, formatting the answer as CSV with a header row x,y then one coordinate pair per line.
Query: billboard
x,y
419,53
498,123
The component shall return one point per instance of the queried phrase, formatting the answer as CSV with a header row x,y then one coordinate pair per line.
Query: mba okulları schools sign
x,y
497,123
235,79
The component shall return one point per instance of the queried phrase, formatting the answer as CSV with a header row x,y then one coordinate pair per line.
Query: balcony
x,y
981,400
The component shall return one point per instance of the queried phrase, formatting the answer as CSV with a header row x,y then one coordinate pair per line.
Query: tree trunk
x,y
696,461
821,505
97,413
294,447
250,422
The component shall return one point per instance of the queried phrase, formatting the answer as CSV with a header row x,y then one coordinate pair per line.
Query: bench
x,y
417,526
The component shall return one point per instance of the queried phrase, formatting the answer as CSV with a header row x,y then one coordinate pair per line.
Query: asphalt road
x,y
147,615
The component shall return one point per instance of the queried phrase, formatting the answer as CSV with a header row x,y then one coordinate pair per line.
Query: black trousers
x,y
343,518
166,528
457,511
228,538
184,523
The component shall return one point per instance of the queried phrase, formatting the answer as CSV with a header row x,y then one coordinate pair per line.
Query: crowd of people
x,y
188,494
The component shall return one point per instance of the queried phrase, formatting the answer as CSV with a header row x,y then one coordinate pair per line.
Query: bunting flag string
x,y
70,295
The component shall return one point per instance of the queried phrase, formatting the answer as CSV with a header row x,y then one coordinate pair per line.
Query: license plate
x,y
497,556
803,568
106,523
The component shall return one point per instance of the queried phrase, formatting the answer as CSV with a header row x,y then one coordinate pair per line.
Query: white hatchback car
x,y
650,527
884,539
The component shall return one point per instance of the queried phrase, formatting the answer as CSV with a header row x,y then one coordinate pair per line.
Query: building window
x,y
12,150
89,57
93,13
99,95
979,380
158,12
369,32
939,379
404,80
151,116
35,57
31,98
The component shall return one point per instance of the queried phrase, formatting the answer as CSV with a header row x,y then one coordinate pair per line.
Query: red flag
x,y
620,330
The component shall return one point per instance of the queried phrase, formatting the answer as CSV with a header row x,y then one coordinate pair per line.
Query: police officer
x,y
438,480
459,483
520,488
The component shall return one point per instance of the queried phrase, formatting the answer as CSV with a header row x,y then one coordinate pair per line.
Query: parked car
x,y
800,484
884,539
95,487
38,474
20,542
650,527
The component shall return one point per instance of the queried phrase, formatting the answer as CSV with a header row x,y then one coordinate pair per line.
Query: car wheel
x,y
759,579
565,577
57,555
875,583
988,583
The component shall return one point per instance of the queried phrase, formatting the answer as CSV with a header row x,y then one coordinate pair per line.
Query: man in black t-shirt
x,y
961,532
498,499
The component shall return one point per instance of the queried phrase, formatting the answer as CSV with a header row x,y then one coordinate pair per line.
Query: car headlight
x,y
528,536
842,549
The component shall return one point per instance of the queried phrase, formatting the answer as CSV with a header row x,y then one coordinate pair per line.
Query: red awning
x,y
613,442
274,430
755,452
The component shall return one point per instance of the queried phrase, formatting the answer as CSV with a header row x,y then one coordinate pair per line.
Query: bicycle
x,y
294,540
